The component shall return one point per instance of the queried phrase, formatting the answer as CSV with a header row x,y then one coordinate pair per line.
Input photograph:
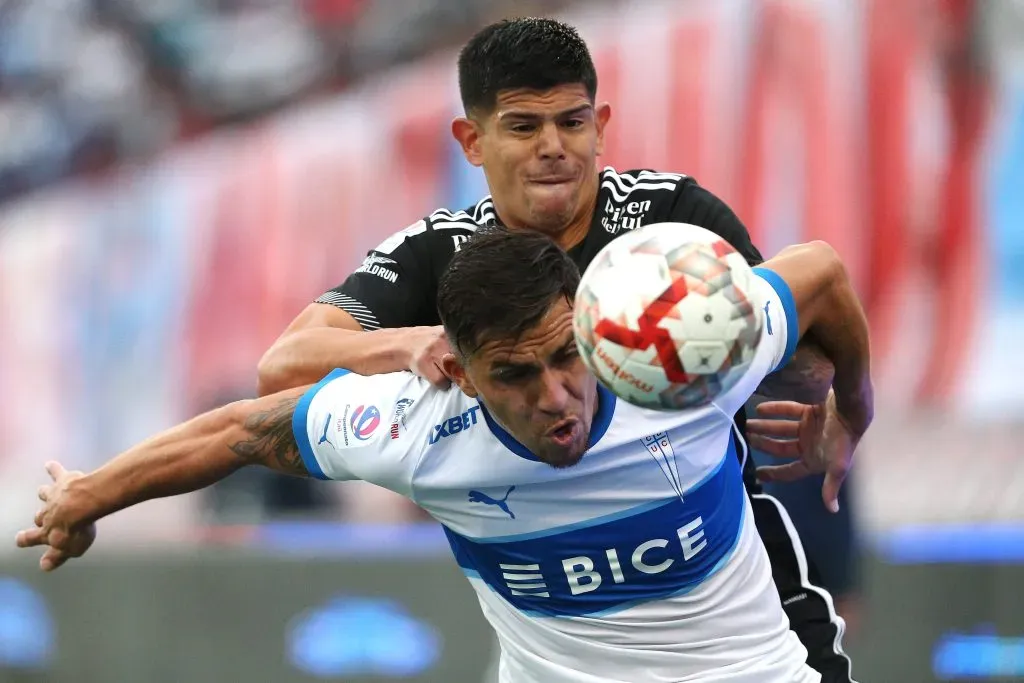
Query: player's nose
x,y
554,393
549,143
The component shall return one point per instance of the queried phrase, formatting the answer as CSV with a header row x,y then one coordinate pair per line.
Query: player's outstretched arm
x,y
828,308
185,458
324,337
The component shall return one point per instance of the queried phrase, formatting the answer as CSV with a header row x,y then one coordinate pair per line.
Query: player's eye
x,y
513,375
523,128
567,355
573,123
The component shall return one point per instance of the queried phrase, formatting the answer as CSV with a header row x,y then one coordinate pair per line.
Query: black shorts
x,y
810,609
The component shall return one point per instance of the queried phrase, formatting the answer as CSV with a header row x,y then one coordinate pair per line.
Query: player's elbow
x,y
272,371
833,270
232,416
817,274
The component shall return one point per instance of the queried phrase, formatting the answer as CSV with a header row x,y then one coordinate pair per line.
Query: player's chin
x,y
563,456
553,203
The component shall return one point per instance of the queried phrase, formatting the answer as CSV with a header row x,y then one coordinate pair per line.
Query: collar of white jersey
x,y
602,418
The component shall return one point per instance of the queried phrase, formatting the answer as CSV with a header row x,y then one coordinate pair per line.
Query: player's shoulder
x,y
442,231
640,183
470,218
630,199
377,410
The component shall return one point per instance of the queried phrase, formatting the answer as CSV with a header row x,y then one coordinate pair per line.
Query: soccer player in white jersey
x,y
532,122
594,557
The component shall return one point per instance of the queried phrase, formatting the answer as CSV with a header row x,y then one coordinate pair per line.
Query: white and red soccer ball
x,y
664,317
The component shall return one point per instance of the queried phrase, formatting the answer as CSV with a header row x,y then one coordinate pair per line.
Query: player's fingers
x,y
28,538
790,409
40,517
782,473
775,447
55,469
830,489
437,377
786,429
52,559
430,370
43,493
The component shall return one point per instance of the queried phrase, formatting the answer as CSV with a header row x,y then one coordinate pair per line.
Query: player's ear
x,y
602,113
457,371
467,133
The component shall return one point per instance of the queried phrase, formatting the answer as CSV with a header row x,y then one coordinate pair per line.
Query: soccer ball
x,y
663,316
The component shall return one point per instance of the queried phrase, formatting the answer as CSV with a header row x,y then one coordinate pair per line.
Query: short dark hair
x,y
538,54
501,284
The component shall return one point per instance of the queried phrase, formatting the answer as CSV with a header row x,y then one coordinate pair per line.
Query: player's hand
x,y
428,345
54,522
816,437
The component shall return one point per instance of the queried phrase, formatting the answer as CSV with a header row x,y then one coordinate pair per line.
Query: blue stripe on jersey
x,y
781,288
300,430
615,562
602,419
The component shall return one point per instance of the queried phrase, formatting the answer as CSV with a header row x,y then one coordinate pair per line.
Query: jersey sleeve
x,y
780,332
389,288
352,426
697,206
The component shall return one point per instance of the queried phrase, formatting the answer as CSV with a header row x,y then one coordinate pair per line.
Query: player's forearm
x,y
180,460
841,328
306,356
194,455
830,313
807,377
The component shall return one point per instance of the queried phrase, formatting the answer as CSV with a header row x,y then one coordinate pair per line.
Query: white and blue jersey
x,y
640,563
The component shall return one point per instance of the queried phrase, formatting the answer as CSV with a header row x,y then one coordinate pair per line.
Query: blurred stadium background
x,y
178,178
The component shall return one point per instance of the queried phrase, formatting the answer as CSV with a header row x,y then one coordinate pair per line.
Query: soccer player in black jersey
x,y
532,123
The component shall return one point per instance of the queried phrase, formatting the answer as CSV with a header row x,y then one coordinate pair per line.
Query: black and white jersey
x,y
396,285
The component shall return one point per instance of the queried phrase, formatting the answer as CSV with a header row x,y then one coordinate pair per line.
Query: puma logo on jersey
x,y
500,503
323,437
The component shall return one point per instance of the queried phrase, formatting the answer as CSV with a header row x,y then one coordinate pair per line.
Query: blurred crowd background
x,y
87,84
179,178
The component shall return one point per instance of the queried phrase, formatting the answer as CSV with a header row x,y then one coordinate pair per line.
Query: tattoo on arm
x,y
805,379
271,441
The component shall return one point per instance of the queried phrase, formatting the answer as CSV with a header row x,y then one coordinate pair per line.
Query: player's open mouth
x,y
563,432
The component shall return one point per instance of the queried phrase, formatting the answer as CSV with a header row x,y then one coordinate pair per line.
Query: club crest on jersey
x,y
454,425
627,216
659,446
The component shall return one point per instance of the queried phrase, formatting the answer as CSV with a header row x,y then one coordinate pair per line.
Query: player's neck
x,y
576,231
